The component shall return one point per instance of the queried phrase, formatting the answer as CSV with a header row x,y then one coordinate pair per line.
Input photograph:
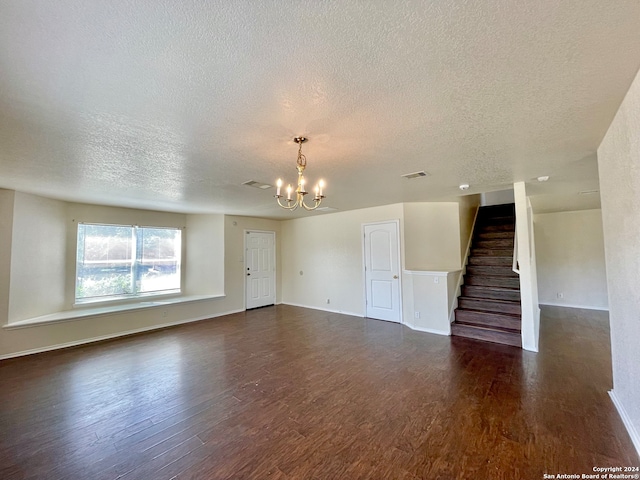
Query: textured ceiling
x,y
171,105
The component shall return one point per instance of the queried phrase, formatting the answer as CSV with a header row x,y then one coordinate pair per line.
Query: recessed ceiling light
x,y
543,178
419,174
464,186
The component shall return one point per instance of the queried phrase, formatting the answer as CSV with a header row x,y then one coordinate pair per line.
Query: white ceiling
x,y
171,105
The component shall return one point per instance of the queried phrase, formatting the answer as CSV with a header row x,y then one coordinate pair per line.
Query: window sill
x,y
78,314
127,300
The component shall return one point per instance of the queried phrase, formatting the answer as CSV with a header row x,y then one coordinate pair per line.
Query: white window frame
x,y
135,295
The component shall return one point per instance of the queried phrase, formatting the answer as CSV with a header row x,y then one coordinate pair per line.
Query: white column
x,y
527,263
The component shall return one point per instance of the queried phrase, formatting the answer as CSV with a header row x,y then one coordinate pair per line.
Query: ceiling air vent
x,y
421,173
253,183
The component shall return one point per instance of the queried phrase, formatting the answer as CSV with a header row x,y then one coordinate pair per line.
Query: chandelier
x,y
291,202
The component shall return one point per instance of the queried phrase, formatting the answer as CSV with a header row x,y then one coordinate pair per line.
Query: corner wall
x,y
7,198
227,245
432,236
619,168
38,257
322,258
570,259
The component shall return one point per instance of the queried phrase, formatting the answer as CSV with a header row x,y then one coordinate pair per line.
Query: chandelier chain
x,y
302,160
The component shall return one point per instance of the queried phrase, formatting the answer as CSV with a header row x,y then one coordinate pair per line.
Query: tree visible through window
x,y
121,261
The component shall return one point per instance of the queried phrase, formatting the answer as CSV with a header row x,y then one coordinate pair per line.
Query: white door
x,y
382,271
260,268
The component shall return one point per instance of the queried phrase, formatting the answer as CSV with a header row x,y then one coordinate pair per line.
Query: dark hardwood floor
x,y
291,393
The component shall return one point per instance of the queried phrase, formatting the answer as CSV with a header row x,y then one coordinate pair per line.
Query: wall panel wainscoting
x,y
289,393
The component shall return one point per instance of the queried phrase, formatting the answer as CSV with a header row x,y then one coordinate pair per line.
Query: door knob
x,y
395,276
248,274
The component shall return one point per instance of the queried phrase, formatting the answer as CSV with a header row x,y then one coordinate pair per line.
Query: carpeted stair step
x,y
505,337
492,281
494,235
493,270
500,321
497,252
506,220
501,227
491,306
493,293
491,260
495,243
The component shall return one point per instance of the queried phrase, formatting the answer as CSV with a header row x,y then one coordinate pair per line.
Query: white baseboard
x,y
584,307
428,330
113,335
633,433
324,309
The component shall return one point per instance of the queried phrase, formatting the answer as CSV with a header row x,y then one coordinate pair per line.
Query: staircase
x,y
489,306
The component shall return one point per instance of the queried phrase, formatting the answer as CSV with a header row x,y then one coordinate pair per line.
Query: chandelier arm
x,y
308,208
287,207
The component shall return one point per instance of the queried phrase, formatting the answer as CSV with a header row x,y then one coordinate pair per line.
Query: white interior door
x,y
382,271
260,269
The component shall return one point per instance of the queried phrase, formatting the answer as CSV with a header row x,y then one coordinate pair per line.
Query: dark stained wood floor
x,y
291,393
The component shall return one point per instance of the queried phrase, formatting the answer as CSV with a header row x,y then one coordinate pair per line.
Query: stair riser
x,y
498,271
488,320
499,243
489,306
494,235
498,210
496,221
497,228
487,281
504,338
481,292
489,260
483,252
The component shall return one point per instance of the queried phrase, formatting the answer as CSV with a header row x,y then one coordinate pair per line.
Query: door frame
x,y
246,232
396,222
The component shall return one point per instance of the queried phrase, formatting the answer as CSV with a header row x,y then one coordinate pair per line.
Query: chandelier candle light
x,y
300,192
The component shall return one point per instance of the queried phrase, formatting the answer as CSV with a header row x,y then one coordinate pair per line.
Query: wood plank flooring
x,y
290,393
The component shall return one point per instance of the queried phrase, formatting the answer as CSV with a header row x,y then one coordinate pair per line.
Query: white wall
x,y
570,259
327,249
432,236
468,208
619,168
204,255
499,197
15,341
38,257
7,198
428,300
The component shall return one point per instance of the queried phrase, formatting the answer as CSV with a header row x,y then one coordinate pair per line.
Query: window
x,y
116,261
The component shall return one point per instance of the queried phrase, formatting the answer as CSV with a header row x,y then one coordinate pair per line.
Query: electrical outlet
x,y
164,314
417,314
560,295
